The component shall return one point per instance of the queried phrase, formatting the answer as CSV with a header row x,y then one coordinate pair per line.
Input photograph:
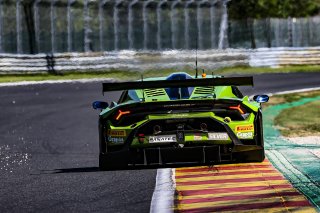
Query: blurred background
x,y
58,26
59,36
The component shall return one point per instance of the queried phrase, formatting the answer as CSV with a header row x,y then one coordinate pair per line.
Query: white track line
x,y
163,195
296,91
25,83
291,91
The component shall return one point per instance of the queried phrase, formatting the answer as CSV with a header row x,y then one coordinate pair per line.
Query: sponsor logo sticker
x,y
245,128
245,135
162,139
197,137
218,136
115,140
116,133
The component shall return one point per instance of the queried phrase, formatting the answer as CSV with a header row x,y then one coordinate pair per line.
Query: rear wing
x,y
133,85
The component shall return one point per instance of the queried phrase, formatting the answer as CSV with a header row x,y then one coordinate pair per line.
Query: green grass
x,y
287,98
300,121
132,75
297,121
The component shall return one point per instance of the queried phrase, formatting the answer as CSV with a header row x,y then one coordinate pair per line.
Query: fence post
x,y
29,19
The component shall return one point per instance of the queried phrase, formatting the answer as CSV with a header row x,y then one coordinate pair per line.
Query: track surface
x,y
49,149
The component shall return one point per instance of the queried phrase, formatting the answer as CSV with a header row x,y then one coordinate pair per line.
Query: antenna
x,y
197,55
143,97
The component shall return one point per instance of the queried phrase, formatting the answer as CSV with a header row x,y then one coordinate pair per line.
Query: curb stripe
x,y
242,202
265,162
218,169
222,172
251,206
229,177
233,189
232,185
265,191
236,187
246,180
226,173
240,197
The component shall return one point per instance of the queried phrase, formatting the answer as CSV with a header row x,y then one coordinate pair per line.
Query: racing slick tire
x,y
257,155
252,156
112,161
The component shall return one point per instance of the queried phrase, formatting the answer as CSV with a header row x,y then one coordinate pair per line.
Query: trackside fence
x,y
153,60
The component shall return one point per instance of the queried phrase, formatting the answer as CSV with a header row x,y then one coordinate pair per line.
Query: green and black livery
x,y
180,120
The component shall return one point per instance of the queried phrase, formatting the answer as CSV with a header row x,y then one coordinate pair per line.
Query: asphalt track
x,y
49,149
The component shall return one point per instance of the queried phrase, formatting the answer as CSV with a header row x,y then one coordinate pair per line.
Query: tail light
x,y
121,113
141,138
237,108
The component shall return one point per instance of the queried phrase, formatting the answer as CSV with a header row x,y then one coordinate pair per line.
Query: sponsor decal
x,y
162,139
218,136
180,115
245,128
245,135
115,139
116,133
197,137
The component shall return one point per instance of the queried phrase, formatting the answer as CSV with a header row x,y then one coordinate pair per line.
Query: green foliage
x,y
242,9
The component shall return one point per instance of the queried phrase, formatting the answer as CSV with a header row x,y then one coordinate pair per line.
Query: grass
x,y
287,98
297,121
300,121
133,75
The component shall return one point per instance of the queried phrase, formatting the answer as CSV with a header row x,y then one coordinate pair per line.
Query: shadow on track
x,y
71,170
96,169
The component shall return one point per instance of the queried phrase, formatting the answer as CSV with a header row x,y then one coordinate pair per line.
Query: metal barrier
x,y
154,60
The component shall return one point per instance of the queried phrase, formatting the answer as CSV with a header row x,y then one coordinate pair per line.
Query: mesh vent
x,y
203,90
154,92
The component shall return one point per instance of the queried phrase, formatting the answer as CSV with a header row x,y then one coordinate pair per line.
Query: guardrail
x,y
277,57
144,60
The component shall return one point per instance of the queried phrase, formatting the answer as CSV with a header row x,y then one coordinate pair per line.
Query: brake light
x,y
141,138
121,113
237,108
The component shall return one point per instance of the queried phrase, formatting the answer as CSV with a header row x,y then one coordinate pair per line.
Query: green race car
x,y
180,120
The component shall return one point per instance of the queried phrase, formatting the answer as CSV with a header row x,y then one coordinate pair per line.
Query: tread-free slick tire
x,y
251,156
112,161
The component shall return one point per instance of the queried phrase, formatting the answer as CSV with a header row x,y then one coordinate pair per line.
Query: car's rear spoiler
x,y
231,81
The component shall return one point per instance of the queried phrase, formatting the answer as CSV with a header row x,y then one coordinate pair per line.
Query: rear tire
x,y
251,156
112,161
257,155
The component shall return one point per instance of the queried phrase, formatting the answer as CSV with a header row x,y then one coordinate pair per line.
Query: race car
x,y
180,119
